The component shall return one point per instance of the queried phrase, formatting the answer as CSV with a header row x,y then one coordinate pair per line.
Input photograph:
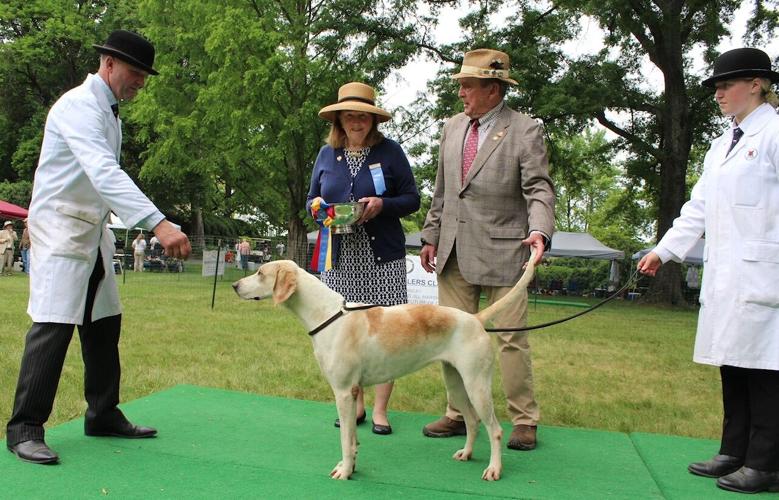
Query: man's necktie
x,y
737,133
115,109
471,147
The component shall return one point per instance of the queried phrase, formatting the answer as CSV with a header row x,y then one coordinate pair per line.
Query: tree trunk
x,y
666,288
198,239
297,184
297,242
676,137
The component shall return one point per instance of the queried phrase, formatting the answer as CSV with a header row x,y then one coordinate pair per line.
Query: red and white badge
x,y
750,154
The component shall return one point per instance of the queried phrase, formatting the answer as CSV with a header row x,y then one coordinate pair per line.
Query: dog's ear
x,y
286,281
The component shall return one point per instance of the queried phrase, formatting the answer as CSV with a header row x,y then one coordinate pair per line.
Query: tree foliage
x,y
656,127
45,49
232,119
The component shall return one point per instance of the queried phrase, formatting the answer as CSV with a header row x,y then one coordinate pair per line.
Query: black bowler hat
x,y
131,48
739,63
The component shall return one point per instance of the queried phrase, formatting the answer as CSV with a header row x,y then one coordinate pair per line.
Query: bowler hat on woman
x,y
742,63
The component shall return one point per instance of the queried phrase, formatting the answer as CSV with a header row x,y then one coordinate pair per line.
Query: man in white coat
x,y
736,203
77,183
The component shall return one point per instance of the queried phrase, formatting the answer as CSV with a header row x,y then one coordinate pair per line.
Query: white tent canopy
x,y
695,255
584,245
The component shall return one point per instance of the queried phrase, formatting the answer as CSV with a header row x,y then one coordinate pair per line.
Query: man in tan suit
x,y
493,200
7,239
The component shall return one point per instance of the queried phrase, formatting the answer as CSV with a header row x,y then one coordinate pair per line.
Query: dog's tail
x,y
487,315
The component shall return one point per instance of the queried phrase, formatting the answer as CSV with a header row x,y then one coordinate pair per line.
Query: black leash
x,y
563,320
344,309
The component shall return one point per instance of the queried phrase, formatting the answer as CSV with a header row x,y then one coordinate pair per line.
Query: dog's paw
x,y
491,474
462,455
341,472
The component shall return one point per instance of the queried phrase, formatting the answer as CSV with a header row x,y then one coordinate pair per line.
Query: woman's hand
x,y
313,212
373,207
649,264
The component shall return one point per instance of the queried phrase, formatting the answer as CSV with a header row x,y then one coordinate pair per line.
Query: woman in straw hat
x,y
358,164
736,204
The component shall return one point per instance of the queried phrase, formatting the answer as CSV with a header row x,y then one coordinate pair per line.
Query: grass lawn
x,y
625,367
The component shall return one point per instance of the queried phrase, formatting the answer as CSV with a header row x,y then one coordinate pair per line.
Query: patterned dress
x,y
357,276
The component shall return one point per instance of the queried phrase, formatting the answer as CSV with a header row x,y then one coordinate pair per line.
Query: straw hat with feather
x,y
486,63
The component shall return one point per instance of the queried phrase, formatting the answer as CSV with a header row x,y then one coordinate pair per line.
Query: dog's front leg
x,y
346,402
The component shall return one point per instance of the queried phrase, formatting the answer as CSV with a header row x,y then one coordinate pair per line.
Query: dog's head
x,y
277,279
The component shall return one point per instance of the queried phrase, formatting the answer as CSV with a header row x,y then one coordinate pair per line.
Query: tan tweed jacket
x,y
507,194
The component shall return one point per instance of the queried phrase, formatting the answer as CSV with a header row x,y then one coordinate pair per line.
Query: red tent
x,y
12,211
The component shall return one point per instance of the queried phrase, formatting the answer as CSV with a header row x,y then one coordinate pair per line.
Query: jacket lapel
x,y
497,133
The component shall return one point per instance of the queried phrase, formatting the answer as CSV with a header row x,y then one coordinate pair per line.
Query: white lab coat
x,y
77,183
736,203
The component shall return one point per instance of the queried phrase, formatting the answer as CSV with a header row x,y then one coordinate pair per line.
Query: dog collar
x,y
344,309
327,322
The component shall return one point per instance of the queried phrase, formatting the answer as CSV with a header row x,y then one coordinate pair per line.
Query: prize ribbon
x,y
322,259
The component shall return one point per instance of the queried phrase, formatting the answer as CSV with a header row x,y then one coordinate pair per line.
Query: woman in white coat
x,y
736,204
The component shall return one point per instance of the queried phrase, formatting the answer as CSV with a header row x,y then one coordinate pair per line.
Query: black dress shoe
x,y
360,420
123,430
382,430
747,480
34,451
718,466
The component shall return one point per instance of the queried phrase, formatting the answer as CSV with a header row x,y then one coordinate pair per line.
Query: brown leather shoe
x,y
444,427
523,437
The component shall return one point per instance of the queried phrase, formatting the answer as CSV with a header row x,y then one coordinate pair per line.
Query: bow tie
x,y
115,109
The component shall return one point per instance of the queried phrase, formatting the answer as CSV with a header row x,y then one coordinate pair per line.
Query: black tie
x,y
115,109
737,133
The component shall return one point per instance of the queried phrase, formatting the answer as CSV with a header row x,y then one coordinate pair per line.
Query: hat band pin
x,y
497,73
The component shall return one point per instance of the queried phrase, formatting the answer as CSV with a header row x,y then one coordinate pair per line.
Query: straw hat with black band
x,y
486,64
131,48
355,96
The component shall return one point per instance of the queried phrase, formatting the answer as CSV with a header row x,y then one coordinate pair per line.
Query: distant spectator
x,y
280,249
693,278
139,252
244,249
154,246
7,239
24,246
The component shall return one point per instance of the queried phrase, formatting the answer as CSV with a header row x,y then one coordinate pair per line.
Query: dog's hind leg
x,y
346,401
459,399
479,390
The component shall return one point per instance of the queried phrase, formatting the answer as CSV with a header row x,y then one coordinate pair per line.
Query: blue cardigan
x,y
332,181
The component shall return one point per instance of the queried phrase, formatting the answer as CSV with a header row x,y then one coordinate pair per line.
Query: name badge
x,y
378,178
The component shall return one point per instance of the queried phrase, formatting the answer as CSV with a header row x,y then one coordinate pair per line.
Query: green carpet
x,y
222,444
